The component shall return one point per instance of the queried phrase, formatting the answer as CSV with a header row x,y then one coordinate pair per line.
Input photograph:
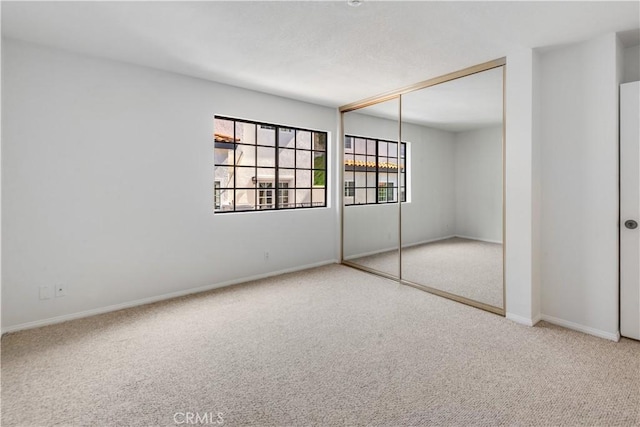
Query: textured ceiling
x,y
320,51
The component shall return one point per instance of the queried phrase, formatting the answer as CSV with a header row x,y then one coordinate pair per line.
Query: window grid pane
x,y
251,157
372,171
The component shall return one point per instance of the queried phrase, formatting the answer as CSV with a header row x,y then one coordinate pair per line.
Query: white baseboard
x,y
424,242
364,254
395,248
581,328
421,242
523,320
478,239
149,300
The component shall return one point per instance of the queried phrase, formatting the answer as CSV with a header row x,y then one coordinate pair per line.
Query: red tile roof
x,y
224,138
362,163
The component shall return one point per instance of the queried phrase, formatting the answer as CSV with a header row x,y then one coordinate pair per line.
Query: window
x,y
349,189
216,194
265,195
373,173
385,192
251,157
283,194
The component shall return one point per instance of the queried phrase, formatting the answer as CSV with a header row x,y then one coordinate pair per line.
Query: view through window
x,y
254,161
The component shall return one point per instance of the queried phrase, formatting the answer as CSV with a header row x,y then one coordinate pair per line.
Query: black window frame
x,y
318,168
398,190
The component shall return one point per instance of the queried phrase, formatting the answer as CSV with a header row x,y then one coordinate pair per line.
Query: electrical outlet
x,y
45,292
266,256
61,290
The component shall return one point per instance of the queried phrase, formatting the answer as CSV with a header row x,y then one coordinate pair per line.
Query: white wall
x,y
519,184
631,64
536,192
579,184
107,186
478,184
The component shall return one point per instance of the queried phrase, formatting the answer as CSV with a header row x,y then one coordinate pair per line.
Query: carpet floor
x,y
463,267
329,346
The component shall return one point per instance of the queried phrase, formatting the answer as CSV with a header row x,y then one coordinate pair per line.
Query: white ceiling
x,y
324,52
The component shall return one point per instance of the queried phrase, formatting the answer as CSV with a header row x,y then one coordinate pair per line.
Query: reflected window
x,y
373,172
349,189
254,162
216,194
386,192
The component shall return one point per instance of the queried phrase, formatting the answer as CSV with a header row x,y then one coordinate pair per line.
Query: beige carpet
x,y
468,268
330,346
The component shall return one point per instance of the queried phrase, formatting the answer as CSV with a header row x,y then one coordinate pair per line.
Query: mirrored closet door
x,y
452,228
443,188
371,218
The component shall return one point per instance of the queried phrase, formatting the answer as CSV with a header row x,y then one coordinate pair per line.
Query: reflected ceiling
x,y
470,102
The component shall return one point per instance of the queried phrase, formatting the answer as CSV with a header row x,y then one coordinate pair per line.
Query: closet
x,y
423,185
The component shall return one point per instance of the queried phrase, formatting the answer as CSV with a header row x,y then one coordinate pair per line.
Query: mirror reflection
x,y
446,168
452,228
373,185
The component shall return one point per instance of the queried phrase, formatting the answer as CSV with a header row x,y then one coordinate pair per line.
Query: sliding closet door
x,y
423,190
371,188
452,222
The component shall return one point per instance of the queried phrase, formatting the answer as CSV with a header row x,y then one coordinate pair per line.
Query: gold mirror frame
x,y
397,94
